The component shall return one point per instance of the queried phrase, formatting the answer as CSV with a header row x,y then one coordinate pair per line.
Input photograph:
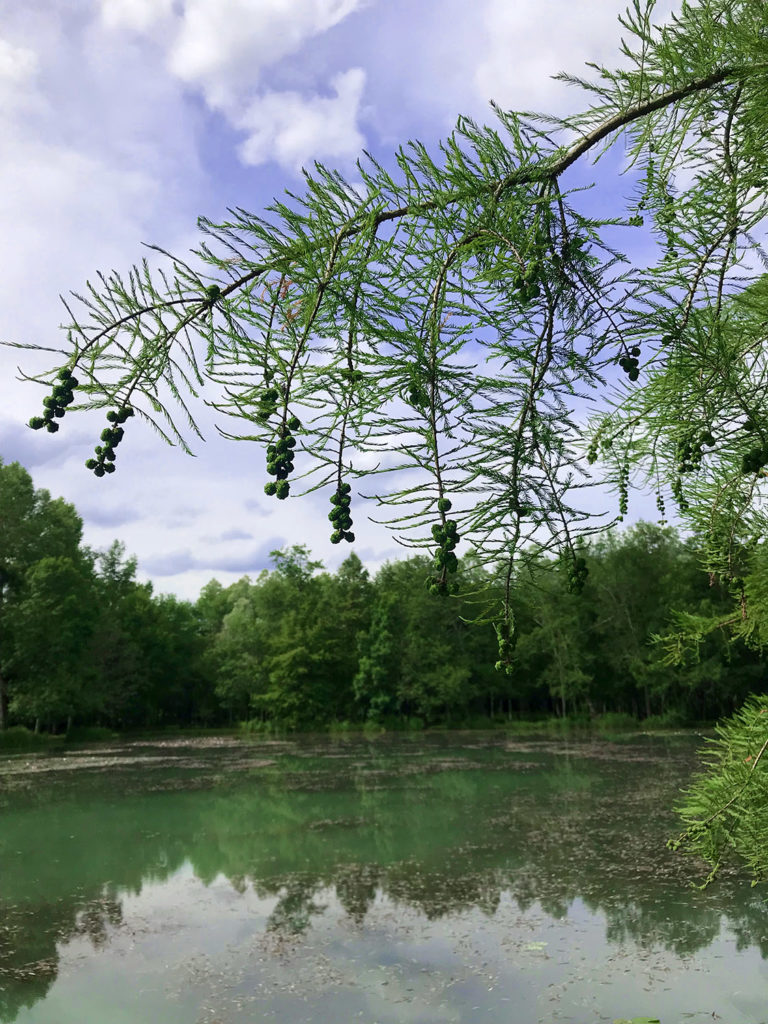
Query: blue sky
x,y
124,120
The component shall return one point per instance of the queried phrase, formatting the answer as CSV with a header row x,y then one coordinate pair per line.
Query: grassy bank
x,y
611,723
19,739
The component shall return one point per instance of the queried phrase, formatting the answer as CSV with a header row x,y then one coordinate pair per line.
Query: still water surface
x,y
404,880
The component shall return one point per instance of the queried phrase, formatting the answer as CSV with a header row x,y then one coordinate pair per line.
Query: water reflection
x,y
434,826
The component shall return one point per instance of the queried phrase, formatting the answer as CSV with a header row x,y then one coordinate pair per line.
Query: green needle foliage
x,y
454,321
726,807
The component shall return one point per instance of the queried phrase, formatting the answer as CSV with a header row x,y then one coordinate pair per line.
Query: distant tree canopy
x,y
82,641
368,343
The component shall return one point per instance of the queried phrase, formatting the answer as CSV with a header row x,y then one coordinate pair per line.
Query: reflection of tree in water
x,y
440,842
295,906
94,919
437,894
663,924
29,957
356,888
749,923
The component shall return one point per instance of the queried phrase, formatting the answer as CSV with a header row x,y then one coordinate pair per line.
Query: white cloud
x,y
521,54
224,47
464,55
284,127
137,15
221,51
19,70
17,63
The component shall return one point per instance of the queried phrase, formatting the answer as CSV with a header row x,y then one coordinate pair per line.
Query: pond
x,y
431,879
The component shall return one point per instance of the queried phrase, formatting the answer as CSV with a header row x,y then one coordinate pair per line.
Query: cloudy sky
x,y
124,120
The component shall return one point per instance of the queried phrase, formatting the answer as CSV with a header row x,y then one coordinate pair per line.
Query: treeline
x,y
82,642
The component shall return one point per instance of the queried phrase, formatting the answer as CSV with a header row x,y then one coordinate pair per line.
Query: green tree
x,y
346,608
33,526
179,686
239,655
635,581
51,625
375,681
434,665
122,607
289,604
213,603
563,637
148,654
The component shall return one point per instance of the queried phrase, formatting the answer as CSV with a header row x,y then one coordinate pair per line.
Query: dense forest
x,y
83,643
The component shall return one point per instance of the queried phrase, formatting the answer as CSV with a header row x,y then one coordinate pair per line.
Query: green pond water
x,y
403,880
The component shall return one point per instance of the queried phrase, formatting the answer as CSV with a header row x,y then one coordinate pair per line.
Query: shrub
x,y
345,726
547,726
18,737
615,721
669,720
372,728
90,734
255,726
